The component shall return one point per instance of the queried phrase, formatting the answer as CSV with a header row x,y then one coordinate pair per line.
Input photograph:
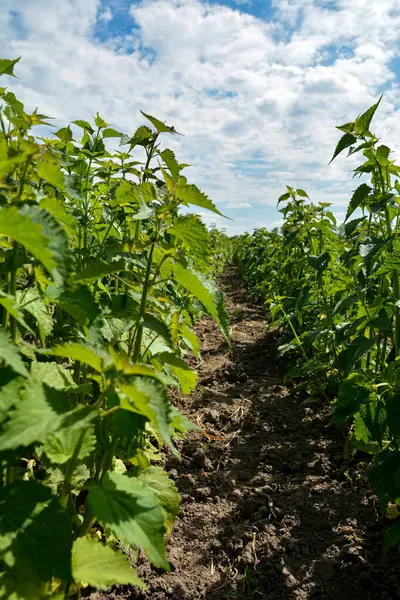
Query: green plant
x,y
100,284
335,293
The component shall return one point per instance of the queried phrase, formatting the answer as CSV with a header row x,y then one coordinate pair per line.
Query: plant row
x,y
102,276
335,292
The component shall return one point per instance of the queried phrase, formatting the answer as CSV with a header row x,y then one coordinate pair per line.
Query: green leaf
x,y
190,194
363,122
100,566
11,305
9,352
100,123
301,193
384,476
128,193
54,375
40,410
158,326
100,269
319,263
132,512
56,208
392,538
211,302
30,301
49,169
58,241
78,302
390,264
111,133
84,354
84,125
169,158
166,491
61,445
159,125
186,377
345,141
23,230
190,339
7,66
11,387
358,197
146,396
35,534
352,394
190,230
354,352
64,134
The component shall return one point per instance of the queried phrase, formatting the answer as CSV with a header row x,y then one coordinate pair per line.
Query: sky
x,y
256,87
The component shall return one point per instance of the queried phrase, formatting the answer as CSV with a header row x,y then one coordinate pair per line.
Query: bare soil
x,y
270,510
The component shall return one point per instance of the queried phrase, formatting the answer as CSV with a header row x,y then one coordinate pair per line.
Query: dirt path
x,y
269,510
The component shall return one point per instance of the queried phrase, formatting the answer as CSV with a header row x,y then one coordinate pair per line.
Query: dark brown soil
x,y
270,510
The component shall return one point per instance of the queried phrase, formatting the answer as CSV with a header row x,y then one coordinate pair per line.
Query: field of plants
x,y
102,279
163,436
335,292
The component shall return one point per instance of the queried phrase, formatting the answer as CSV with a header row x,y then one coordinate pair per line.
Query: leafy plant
x,y
335,293
100,283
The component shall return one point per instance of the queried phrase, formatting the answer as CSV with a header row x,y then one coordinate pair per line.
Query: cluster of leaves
x,y
335,292
100,284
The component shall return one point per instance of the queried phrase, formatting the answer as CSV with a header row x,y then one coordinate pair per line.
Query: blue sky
x,y
255,86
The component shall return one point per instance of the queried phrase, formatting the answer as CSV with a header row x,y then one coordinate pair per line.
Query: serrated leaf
x,y
146,396
100,123
169,159
319,263
186,377
40,410
166,491
84,125
30,301
135,193
56,208
7,66
78,302
100,566
383,476
9,352
352,393
391,263
132,512
363,122
99,270
190,230
158,326
190,194
48,168
58,240
111,133
13,308
53,374
358,197
35,532
190,339
64,134
211,302
345,141
29,234
84,354
61,445
159,125
354,352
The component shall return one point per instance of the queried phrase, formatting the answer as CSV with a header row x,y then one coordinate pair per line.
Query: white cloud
x,y
256,100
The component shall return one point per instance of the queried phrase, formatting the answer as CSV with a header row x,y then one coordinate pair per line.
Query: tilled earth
x,y
270,510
